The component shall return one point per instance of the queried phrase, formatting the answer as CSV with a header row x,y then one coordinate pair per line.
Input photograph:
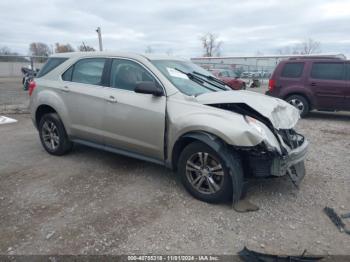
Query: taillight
x,y
31,87
272,84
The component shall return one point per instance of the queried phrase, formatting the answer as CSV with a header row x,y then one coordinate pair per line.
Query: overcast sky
x,y
245,27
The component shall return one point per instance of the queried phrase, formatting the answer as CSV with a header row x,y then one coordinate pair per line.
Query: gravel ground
x,y
94,202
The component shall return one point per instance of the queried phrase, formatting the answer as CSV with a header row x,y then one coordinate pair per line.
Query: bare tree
x,y
7,55
85,48
149,49
39,49
259,53
169,52
4,50
310,46
211,45
307,47
63,48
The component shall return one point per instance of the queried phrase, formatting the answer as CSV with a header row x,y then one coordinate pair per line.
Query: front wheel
x,y
300,103
206,176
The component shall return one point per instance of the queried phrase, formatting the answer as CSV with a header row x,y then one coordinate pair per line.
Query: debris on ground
x,y
253,256
49,235
336,219
347,215
245,205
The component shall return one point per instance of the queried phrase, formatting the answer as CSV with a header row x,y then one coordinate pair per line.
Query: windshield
x,y
181,81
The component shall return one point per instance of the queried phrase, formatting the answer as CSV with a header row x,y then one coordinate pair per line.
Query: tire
x,y
53,135
198,182
243,87
300,103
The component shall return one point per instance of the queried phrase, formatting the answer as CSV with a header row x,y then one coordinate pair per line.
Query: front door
x,y
134,122
327,81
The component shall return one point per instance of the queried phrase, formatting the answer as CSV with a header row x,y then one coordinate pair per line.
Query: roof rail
x,y
317,57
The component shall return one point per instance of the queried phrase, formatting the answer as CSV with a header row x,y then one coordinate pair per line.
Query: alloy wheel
x,y
205,173
50,135
297,104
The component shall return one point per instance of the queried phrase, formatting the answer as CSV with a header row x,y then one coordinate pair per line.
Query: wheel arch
x,y
207,138
41,111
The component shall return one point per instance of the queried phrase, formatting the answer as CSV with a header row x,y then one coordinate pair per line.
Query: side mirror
x,y
148,87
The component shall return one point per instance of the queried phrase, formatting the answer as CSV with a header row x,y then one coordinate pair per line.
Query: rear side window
x,y
51,64
292,70
328,71
86,71
348,71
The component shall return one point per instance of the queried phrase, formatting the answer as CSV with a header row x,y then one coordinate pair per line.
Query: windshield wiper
x,y
198,80
212,79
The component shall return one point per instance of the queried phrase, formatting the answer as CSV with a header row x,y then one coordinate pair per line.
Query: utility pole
x,y
98,30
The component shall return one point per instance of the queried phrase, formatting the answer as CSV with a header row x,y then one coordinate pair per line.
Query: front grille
x,y
291,138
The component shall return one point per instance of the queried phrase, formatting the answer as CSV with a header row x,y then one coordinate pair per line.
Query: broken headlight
x,y
256,124
268,138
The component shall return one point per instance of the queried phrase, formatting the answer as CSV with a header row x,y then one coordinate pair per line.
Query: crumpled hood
x,y
281,114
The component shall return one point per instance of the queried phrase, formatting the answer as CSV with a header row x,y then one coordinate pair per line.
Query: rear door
x,y
291,75
134,122
84,94
328,84
347,90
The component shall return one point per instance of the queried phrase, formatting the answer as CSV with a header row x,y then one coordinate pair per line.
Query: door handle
x,y
65,89
111,99
313,84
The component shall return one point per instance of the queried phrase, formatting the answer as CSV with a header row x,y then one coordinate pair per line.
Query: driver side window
x,y
125,74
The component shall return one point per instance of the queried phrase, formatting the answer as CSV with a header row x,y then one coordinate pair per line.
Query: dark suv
x,y
308,83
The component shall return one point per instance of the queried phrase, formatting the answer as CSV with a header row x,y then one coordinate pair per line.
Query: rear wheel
x,y
53,135
300,103
206,176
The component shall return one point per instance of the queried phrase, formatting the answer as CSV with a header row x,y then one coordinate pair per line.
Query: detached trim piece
x,y
250,255
337,221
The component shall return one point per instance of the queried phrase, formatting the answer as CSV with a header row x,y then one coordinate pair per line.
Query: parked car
x,y
170,112
230,78
312,83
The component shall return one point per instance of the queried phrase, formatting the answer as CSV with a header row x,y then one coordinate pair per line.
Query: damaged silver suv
x,y
167,111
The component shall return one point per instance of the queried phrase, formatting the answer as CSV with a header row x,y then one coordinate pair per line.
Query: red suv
x,y
230,78
312,83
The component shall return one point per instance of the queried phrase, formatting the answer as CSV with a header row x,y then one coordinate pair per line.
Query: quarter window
x,y
50,65
329,71
67,76
125,74
87,71
293,70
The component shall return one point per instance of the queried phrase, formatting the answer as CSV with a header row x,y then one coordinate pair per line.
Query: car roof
x,y
120,54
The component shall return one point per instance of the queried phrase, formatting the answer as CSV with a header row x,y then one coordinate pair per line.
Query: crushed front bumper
x,y
280,165
292,164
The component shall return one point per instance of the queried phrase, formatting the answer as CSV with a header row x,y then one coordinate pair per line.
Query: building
x,y
261,66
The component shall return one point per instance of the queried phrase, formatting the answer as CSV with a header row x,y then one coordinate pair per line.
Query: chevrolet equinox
x,y
168,111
